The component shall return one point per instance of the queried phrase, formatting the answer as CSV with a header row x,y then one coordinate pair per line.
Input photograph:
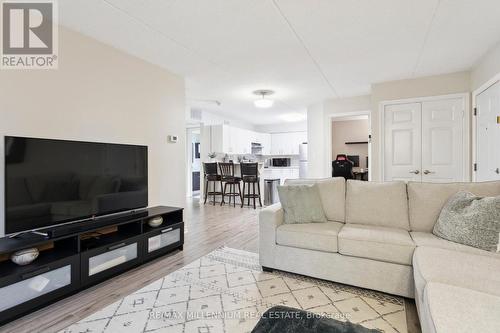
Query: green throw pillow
x,y
301,203
470,220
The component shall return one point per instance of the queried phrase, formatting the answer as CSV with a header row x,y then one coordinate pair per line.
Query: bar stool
x,y
228,178
211,175
250,176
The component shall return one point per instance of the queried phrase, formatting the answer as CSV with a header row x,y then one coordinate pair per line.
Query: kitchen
x,y
281,155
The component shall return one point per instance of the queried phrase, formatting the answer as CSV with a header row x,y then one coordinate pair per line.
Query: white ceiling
x,y
305,50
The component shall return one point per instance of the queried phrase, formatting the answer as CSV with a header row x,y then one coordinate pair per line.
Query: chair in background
x,y
211,176
228,178
342,167
250,177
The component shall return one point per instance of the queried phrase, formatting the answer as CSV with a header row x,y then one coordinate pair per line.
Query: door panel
x,y
488,134
402,148
442,140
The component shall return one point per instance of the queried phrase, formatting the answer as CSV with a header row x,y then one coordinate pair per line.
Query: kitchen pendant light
x,y
263,102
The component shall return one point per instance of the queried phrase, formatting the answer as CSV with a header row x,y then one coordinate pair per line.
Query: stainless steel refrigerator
x,y
303,160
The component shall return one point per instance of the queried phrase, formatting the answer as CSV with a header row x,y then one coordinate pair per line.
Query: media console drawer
x,y
164,239
38,285
110,259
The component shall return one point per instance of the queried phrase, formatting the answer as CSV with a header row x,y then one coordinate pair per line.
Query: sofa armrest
x,y
270,218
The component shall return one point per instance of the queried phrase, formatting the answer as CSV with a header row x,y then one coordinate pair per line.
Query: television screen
x,y
49,182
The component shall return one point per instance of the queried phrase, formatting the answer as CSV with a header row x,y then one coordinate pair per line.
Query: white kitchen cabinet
x,y
287,143
265,141
233,140
220,139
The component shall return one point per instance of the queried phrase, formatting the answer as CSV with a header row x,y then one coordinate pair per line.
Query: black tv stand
x,y
83,255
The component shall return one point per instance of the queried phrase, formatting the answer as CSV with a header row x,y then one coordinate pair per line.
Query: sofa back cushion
x,y
427,199
331,193
380,204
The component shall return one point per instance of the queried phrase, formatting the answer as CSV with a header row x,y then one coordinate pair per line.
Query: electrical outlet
x,y
173,138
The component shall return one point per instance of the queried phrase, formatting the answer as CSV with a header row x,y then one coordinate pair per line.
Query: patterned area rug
x,y
226,292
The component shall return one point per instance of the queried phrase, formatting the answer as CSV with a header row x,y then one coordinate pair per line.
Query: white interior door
x,y
488,134
442,140
402,147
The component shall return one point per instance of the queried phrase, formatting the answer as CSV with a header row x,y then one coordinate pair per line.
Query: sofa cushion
x,y
460,310
470,220
431,240
377,243
312,236
301,204
332,194
380,204
427,199
466,270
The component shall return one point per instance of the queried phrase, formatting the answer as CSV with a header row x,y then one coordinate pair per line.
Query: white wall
x,y
211,118
316,141
299,126
319,117
487,68
101,94
350,131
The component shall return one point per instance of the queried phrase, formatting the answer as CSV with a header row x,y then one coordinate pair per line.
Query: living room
x,y
110,109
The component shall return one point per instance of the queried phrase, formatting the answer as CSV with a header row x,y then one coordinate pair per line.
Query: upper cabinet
x,y
233,140
287,143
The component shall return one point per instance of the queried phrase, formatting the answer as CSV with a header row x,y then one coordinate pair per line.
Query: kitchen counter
x,y
279,168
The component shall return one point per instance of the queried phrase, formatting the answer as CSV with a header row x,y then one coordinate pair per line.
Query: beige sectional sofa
x,y
379,236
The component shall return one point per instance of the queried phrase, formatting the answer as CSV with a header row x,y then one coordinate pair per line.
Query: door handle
x,y
35,272
167,230
415,172
117,246
497,170
426,172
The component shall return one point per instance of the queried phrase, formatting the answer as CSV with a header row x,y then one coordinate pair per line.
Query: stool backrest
x,y
226,169
210,168
249,169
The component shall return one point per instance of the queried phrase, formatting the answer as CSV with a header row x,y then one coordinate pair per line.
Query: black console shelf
x,y
81,255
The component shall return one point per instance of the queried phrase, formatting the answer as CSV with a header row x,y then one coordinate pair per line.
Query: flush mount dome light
x,y
263,102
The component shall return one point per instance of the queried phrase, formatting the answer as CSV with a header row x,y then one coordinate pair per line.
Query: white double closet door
x,y
488,134
424,141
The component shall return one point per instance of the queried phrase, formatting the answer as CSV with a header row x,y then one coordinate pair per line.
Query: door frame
x,y
474,141
328,145
466,144
189,162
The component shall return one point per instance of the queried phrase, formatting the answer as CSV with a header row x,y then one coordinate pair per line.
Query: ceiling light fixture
x,y
263,102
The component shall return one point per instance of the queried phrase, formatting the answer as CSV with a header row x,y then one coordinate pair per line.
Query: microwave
x,y
281,162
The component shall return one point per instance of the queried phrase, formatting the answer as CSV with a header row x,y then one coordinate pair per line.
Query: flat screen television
x,y
51,182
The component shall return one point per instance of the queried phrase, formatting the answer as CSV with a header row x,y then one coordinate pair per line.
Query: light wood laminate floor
x,y
207,228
